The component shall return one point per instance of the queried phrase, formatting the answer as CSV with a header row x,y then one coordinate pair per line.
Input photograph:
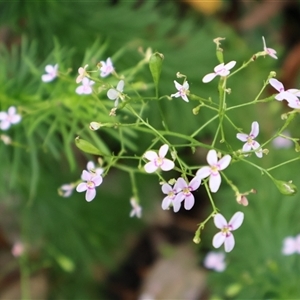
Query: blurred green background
x,y
80,250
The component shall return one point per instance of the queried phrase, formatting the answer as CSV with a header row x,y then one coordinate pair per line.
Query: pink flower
x,y
66,190
249,139
220,70
225,236
269,51
51,73
92,181
17,249
82,73
289,95
183,90
158,161
213,169
291,245
8,118
136,208
185,190
215,261
106,68
169,199
92,168
86,87
115,94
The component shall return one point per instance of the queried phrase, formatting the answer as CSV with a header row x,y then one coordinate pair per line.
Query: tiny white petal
x,y
218,239
236,220
220,221
214,182
229,243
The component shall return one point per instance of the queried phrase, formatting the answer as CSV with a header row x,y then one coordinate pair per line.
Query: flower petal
x,y
236,220
177,85
120,86
276,84
220,221
195,183
112,94
163,150
242,137
97,180
224,162
167,165
212,157
254,129
230,65
166,203
166,188
150,167
189,202
229,243
218,239
81,187
90,194
203,172
180,184
86,175
150,155
214,182
176,206
209,77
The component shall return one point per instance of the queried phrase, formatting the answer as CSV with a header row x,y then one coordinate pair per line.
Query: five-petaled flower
x,y
249,139
115,94
106,68
183,90
82,73
185,190
8,118
136,208
221,70
215,261
213,169
269,51
291,245
169,199
225,236
86,87
289,95
157,161
91,182
51,73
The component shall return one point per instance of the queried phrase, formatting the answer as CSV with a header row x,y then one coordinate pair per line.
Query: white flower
x,y
136,208
183,90
92,168
66,190
169,199
213,169
221,70
90,184
289,95
51,73
158,161
8,118
86,87
249,139
225,236
185,190
115,94
215,261
106,68
269,51
82,73
291,245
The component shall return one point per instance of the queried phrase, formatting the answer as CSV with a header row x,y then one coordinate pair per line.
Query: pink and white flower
x,y
291,245
249,139
269,51
86,87
90,184
115,94
220,70
183,90
169,199
136,208
106,68
92,168
213,169
82,73
158,161
289,95
51,73
66,190
225,235
185,190
8,118
215,261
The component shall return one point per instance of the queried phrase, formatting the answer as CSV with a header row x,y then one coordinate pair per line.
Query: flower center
x,y
171,194
90,184
214,169
186,190
159,161
226,230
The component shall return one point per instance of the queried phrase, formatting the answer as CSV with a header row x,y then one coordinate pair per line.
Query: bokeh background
x,y
80,250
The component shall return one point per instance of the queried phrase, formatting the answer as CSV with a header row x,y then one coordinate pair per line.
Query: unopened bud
x,y
95,125
286,188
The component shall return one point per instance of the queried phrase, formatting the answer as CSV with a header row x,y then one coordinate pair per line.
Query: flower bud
x,y
285,188
95,125
155,65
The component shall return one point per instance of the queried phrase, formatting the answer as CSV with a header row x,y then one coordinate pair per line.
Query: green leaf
x,y
87,147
